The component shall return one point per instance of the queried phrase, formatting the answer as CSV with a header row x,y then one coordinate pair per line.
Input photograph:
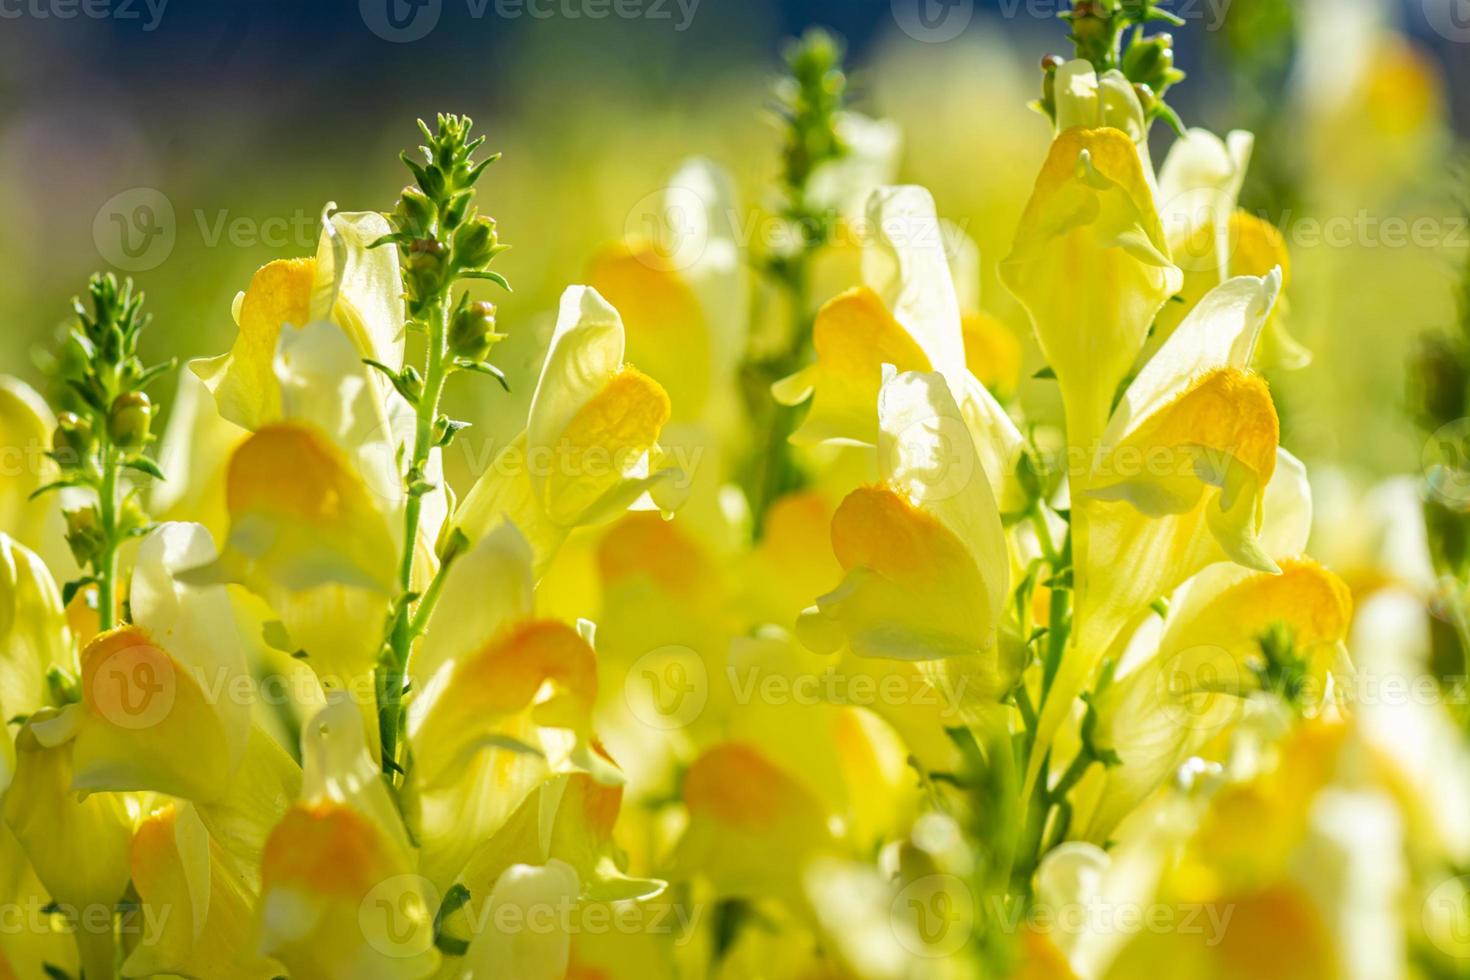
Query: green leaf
x,y
142,464
58,485
89,396
276,637
489,275
69,590
154,373
406,383
396,238
480,367
1167,113
454,899
1045,374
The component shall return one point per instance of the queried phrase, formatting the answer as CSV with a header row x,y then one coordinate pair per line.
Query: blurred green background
x,y
235,123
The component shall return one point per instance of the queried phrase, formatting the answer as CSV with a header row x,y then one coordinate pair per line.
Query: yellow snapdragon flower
x,y
908,316
590,448
347,283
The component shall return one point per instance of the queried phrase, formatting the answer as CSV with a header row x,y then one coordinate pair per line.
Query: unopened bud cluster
x,y
1098,29
440,234
108,425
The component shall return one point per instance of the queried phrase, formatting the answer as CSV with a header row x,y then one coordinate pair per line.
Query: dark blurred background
x,y
188,142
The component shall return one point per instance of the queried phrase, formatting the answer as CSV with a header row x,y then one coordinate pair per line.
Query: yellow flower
x,y
347,283
908,316
590,448
924,554
33,637
531,883
1092,267
1175,481
1191,689
315,505
162,707
340,896
77,847
26,427
752,826
195,914
1212,239
503,704
682,294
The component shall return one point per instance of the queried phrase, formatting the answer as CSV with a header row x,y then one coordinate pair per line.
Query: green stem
x,y
107,499
776,467
406,627
429,600
1071,777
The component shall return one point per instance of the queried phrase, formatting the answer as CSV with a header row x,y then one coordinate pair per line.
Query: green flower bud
x,y
424,270
1091,32
1151,62
415,212
84,534
472,332
72,441
129,421
475,243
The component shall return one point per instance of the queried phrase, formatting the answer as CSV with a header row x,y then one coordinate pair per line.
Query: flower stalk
x,y
809,100
442,241
106,429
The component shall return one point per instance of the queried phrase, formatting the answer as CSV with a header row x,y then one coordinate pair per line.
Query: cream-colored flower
x,y
590,448
347,283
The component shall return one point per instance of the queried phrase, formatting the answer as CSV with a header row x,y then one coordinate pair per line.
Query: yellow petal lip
x,y
854,335
279,294
325,848
912,590
877,528
1312,600
1226,410
736,785
325,524
1084,155
243,381
601,445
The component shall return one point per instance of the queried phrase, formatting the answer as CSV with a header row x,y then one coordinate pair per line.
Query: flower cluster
x,y
779,642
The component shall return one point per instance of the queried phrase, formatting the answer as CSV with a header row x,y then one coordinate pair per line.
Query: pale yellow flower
x,y
347,283
590,448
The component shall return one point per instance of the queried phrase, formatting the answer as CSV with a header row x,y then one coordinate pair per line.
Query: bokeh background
x,y
189,142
